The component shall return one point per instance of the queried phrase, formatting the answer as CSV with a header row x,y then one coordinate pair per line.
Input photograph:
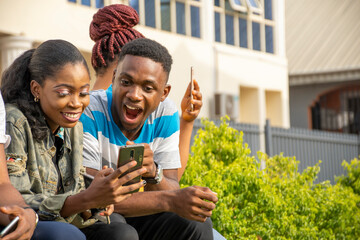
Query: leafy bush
x,y
353,175
275,203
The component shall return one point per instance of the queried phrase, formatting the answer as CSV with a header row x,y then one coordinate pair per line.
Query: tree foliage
x,y
277,202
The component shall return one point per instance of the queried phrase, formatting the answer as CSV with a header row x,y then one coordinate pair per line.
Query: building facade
x,y
237,47
322,40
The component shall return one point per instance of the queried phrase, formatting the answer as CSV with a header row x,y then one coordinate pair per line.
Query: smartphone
x,y
129,153
191,86
10,227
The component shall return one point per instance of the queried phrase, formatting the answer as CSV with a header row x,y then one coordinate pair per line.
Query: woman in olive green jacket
x,y
45,91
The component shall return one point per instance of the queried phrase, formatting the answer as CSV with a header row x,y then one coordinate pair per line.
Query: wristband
x,y
36,215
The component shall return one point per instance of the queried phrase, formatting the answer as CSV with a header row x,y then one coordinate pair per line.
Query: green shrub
x,y
275,203
353,175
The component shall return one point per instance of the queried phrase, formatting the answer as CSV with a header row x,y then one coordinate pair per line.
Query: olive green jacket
x,y
33,172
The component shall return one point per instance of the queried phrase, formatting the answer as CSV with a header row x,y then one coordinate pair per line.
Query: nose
x,y
75,102
134,93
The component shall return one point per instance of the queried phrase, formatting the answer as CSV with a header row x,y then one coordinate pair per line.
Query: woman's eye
x,y
84,93
63,93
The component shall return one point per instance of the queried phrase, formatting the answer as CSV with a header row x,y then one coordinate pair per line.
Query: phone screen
x,y
129,153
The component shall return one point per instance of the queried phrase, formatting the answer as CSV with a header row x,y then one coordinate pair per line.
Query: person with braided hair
x,y
110,29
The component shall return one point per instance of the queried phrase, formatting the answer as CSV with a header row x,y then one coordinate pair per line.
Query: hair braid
x,y
111,28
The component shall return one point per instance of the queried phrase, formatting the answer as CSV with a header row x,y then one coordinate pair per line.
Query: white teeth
x,y
132,108
71,115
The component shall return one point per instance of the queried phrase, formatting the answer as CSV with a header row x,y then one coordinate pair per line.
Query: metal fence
x,y
308,146
251,133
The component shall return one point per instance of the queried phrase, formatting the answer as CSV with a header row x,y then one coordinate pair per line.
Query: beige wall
x,y
218,67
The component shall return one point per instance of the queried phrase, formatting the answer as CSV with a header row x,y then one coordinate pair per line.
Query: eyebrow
x,y
124,74
70,86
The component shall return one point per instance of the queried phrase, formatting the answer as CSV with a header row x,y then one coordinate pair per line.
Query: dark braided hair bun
x,y
111,28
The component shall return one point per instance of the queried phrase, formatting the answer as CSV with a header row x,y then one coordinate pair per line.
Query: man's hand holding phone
x,y
147,160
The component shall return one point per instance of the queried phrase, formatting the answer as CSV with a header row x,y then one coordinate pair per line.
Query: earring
x,y
36,99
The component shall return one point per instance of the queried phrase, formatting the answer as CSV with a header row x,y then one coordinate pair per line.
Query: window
x,y
165,15
150,13
217,27
180,16
99,3
85,2
256,36
254,6
195,21
245,23
337,110
268,9
229,25
134,4
269,39
243,32
89,3
238,5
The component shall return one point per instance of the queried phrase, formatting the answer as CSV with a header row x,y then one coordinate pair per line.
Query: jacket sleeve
x,y
24,175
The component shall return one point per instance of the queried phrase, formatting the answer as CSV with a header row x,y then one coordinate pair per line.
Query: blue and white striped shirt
x,y
103,138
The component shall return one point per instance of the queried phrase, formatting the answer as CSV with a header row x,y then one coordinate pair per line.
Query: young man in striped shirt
x,y
135,109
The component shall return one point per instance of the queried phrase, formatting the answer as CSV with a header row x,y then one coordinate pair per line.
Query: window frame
x,y
250,16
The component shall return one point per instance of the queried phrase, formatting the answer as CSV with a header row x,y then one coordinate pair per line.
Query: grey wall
x,y
301,97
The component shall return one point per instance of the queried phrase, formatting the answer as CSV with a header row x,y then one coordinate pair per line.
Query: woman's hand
x,y
108,210
26,225
186,102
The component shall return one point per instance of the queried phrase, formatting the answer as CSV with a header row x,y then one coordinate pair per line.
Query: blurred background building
x,y
323,50
237,47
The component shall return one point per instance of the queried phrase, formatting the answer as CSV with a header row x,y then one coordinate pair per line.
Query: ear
x,y
113,78
166,92
35,88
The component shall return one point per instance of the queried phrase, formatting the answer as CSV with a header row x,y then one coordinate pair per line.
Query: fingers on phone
x,y
126,178
134,186
117,173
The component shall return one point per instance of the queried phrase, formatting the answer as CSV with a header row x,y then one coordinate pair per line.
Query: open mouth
x,y
132,112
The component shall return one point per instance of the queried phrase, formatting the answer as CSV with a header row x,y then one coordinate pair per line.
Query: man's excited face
x,y
139,85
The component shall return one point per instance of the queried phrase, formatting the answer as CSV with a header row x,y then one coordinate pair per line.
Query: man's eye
x,y
124,82
148,88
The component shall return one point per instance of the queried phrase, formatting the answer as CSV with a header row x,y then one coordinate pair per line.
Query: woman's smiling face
x,y
64,96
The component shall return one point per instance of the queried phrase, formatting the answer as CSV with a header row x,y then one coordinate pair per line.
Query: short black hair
x,y
144,47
